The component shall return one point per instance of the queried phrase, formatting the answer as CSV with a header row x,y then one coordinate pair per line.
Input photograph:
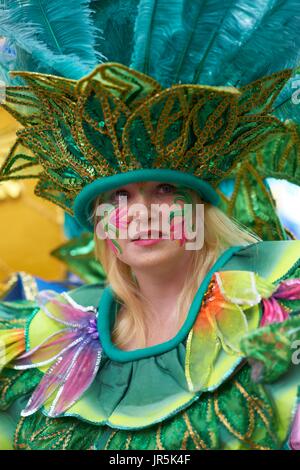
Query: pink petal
x,y
113,218
118,217
81,374
294,440
273,312
289,289
48,350
73,315
54,376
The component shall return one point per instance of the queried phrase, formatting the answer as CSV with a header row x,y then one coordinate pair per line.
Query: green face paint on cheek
x,y
182,194
114,246
179,219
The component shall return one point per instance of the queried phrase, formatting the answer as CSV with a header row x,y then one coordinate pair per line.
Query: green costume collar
x,y
135,394
107,308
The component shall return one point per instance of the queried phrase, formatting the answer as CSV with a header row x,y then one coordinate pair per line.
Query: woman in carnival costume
x,y
161,102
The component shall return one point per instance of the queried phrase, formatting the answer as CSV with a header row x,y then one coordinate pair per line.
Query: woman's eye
x,y
120,192
166,188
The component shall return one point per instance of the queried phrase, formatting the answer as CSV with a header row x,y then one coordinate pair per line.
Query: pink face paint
x,y
177,229
112,223
114,246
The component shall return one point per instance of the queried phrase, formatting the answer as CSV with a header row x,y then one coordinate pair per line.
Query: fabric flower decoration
x,y
74,353
230,311
273,310
271,348
268,349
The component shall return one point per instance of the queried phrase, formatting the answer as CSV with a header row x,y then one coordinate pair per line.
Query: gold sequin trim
x,y
158,438
110,438
199,443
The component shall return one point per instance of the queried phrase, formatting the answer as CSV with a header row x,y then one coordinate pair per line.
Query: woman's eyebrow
x,y
108,194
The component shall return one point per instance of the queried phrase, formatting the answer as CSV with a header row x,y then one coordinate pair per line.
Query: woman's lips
x,y
147,242
149,236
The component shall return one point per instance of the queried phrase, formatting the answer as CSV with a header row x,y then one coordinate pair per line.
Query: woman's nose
x,y
142,197
143,202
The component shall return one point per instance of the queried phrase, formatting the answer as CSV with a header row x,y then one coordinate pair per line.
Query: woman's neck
x,y
161,291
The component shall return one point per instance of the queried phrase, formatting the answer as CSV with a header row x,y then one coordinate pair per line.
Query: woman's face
x,y
136,209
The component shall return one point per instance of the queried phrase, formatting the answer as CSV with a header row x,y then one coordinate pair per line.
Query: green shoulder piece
x,y
88,294
15,314
14,383
272,260
273,349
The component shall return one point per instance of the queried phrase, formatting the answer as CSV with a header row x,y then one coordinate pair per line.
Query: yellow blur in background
x,y
30,226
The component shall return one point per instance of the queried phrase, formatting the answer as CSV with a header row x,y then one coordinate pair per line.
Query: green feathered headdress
x,y
188,91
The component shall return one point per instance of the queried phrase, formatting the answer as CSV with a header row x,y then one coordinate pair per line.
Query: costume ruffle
x,y
139,393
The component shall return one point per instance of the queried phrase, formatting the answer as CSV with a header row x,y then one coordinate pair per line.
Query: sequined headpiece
x,y
117,125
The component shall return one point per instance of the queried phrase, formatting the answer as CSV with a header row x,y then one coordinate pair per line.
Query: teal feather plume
x,y
183,41
51,36
7,60
271,44
239,20
215,43
287,104
179,41
201,21
171,37
115,19
156,25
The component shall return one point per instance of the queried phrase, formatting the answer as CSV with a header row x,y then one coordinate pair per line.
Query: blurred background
x,y
287,197
30,226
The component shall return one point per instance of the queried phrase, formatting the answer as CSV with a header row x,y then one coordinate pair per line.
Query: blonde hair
x,y
220,233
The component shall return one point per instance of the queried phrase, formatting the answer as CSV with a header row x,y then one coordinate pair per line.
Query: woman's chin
x,y
139,255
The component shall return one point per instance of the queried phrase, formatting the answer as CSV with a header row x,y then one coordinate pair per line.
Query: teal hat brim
x,y
83,202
